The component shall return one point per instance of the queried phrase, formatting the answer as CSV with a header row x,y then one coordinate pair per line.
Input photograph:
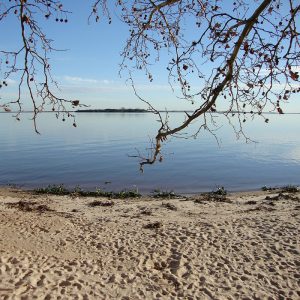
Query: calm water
x,y
97,151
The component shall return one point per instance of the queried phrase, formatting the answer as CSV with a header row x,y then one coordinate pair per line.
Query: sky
x,y
88,69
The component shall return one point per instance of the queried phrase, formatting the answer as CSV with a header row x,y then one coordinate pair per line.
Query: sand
x,y
59,247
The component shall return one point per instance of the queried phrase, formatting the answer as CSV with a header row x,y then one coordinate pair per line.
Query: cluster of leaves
x,y
284,189
220,195
289,189
220,191
268,188
53,190
165,194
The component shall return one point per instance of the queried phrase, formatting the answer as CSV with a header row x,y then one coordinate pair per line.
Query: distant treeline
x,y
117,110
140,110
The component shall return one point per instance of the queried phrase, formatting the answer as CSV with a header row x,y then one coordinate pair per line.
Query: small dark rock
x,y
199,201
42,208
146,212
169,206
101,203
154,225
251,202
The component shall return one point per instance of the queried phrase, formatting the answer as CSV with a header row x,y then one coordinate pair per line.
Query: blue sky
x,y
89,69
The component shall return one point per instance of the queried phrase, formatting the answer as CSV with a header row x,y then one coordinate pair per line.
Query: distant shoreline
x,y
113,110
127,110
140,110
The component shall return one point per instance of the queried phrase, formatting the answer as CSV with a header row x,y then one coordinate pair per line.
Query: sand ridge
x,y
60,247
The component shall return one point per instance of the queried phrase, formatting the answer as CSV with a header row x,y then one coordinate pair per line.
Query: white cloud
x,y
280,86
10,81
74,79
79,79
296,69
265,72
95,85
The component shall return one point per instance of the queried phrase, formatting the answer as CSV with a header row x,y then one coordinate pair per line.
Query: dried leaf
x,y
75,102
294,75
280,111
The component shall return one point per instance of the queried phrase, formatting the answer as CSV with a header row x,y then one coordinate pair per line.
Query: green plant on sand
x,y
62,190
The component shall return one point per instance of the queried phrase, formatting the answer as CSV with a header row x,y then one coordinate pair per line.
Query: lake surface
x,y
97,152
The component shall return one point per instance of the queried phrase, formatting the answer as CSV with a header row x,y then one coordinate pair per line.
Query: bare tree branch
x,y
251,49
30,63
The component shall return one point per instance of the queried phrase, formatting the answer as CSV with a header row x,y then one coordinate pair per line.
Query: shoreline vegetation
x,y
156,193
62,243
62,190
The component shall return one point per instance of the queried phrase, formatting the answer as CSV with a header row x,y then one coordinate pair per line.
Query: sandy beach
x,y
244,246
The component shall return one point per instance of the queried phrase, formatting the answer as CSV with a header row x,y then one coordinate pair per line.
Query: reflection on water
x,y
97,151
